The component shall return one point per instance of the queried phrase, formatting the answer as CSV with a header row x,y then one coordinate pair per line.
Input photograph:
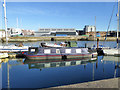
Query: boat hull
x,y
3,55
13,48
112,52
47,57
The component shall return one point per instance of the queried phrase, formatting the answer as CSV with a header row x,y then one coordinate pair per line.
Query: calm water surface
x,y
21,73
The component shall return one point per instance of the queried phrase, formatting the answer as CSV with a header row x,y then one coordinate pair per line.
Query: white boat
x,y
111,51
3,55
62,44
13,48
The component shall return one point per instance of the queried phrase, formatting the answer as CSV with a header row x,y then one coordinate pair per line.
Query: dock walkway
x,y
107,83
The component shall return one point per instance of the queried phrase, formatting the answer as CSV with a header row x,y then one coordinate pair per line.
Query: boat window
x,y
41,65
68,51
57,50
62,64
32,50
73,63
47,51
47,65
68,63
78,50
78,62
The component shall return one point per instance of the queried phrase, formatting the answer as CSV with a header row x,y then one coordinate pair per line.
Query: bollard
x,y
97,43
85,45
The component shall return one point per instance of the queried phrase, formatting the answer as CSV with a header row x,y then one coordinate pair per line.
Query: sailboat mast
x,y
17,22
95,30
118,23
4,5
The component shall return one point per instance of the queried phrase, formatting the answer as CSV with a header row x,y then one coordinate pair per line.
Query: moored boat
x,y
111,51
114,51
45,44
58,53
3,55
13,48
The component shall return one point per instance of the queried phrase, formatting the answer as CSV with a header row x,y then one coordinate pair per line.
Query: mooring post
x,y
85,45
97,43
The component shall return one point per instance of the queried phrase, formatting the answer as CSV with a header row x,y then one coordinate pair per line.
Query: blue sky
x,y
35,15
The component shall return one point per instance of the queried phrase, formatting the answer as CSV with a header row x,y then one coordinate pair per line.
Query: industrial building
x,y
89,28
55,32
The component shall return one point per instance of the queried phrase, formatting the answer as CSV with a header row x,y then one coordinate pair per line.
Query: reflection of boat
x,y
39,64
111,58
115,60
58,53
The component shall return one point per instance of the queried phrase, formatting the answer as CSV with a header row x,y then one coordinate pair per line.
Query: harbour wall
x,y
56,38
106,83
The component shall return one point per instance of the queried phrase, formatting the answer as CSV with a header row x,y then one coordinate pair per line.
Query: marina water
x,y
16,73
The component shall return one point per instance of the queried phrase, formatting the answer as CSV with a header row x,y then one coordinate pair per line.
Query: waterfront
x,y
56,38
21,73
111,44
16,74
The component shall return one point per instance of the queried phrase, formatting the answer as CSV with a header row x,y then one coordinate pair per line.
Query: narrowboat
x,y
36,53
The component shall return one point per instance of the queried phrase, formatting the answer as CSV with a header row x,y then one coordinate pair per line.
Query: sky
x,y
61,0
35,15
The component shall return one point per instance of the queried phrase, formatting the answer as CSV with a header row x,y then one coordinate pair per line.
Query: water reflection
x,y
39,64
15,62
48,73
112,60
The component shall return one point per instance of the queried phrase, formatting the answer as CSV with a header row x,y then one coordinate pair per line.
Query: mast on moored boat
x,y
4,5
118,23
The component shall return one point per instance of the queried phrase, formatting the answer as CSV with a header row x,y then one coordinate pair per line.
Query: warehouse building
x,y
56,32
89,28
